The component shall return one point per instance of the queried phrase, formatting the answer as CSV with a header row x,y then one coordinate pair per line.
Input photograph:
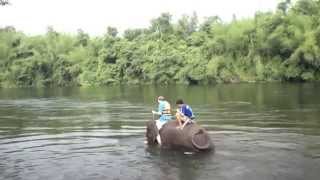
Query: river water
x,y
260,132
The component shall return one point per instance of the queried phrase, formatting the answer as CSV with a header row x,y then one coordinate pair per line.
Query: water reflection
x,y
261,131
179,165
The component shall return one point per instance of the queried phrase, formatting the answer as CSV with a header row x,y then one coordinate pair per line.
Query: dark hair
x,y
179,101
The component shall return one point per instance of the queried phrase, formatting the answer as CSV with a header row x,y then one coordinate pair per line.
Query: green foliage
x,y
274,46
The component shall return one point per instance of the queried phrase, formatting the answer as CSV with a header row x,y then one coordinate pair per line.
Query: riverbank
x,y
283,45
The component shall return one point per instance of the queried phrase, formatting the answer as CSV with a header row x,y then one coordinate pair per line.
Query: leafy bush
x,y
273,46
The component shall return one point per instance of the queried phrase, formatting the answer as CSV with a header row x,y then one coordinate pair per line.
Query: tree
x,y
162,25
112,31
272,46
131,34
4,2
187,25
83,38
283,6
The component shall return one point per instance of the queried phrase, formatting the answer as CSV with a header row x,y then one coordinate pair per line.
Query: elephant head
x,y
152,132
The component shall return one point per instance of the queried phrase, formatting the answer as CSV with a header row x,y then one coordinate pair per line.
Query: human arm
x,y
155,112
160,109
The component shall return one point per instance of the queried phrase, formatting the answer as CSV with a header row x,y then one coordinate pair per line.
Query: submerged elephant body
x,y
192,137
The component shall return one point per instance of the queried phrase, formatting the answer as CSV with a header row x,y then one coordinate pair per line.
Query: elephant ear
x,y
201,140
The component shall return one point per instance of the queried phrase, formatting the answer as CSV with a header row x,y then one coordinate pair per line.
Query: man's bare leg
x,y
179,119
159,139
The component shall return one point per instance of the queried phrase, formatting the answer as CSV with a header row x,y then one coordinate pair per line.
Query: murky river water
x,y
261,131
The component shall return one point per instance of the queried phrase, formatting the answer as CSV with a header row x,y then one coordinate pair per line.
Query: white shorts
x,y
160,124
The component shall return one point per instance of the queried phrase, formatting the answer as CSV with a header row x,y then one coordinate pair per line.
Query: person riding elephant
x,y
164,111
168,134
184,114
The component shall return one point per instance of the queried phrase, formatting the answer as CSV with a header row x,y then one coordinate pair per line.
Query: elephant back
x,y
192,136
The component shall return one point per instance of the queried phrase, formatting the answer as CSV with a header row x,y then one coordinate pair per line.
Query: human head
x,y
161,98
179,102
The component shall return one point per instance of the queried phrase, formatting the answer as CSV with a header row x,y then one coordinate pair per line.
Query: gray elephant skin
x,y
191,138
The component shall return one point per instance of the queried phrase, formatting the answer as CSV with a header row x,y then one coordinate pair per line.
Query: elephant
x,y
191,138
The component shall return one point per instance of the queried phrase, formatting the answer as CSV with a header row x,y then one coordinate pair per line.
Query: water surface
x,y
261,131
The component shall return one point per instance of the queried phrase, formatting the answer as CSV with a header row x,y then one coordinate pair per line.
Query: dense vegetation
x,y
283,45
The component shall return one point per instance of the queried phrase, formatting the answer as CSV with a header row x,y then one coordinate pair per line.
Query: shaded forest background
x,y
283,45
